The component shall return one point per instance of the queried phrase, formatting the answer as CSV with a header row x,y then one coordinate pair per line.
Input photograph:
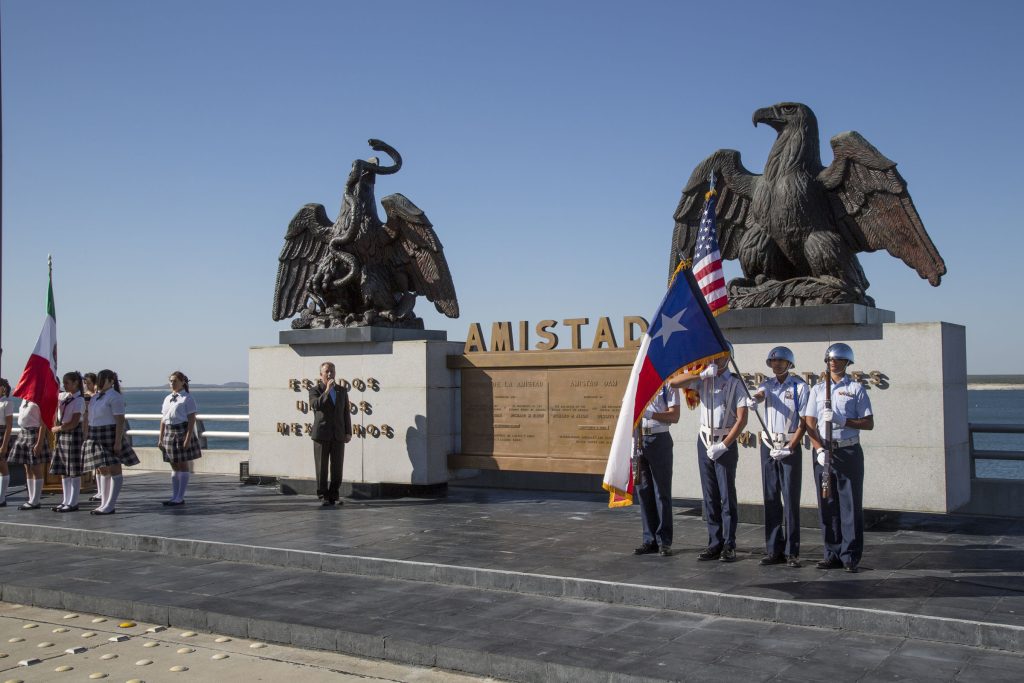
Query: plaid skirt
x,y
174,444
68,459
21,451
98,449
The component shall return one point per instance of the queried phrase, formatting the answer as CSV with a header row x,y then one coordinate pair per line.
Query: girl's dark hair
x,y
181,378
91,376
103,375
75,375
5,387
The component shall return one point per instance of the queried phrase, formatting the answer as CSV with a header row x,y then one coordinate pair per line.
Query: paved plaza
x,y
528,586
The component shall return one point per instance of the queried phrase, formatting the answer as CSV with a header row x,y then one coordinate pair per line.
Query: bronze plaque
x,y
550,419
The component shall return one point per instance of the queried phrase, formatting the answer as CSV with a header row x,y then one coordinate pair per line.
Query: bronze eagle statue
x,y
797,228
358,270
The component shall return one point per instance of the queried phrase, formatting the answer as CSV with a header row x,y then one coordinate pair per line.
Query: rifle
x,y
826,471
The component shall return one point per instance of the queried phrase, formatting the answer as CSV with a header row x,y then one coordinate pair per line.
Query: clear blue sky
x,y
159,149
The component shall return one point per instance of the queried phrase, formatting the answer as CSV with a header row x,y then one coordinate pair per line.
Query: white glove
x,y
716,450
649,413
758,397
829,415
780,453
709,372
821,456
752,403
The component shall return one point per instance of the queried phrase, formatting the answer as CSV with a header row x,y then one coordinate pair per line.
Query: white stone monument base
x,y
409,415
916,458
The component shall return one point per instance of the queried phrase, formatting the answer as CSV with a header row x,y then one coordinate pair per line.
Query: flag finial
x,y
711,179
49,263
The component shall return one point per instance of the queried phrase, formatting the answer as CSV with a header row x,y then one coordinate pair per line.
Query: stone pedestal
x,y
917,456
407,406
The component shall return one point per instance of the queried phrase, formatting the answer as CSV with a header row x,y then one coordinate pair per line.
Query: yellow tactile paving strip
x,y
48,646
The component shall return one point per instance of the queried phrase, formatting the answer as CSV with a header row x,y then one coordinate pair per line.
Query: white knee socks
x,y
35,489
76,487
182,484
111,489
5,481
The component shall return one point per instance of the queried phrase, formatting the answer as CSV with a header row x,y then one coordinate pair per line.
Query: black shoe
x,y
173,503
772,559
709,554
69,508
665,551
646,549
829,564
3,504
97,512
95,499
327,503
851,568
29,506
58,508
794,561
728,555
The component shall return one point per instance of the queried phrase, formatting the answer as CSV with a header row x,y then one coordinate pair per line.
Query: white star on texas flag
x,y
670,326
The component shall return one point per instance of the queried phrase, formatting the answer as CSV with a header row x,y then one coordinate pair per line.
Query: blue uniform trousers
x,y
842,515
780,480
718,484
654,490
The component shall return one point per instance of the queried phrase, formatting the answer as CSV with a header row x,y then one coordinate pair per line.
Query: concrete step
x,y
721,604
502,633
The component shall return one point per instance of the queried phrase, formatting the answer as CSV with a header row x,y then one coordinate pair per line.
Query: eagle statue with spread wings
x,y
797,228
359,271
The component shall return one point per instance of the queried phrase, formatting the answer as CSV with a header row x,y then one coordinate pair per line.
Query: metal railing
x,y
155,417
989,428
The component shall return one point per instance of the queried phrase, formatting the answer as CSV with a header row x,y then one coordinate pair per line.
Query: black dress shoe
x,y
665,551
851,568
173,503
646,549
58,508
29,506
728,555
709,554
98,512
69,508
829,564
95,499
327,503
772,559
3,504
794,561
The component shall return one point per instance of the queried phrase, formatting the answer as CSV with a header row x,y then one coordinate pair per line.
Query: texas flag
x,y
683,338
39,382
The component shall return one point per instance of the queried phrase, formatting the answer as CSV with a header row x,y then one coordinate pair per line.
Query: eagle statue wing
x,y
416,249
735,186
873,209
305,244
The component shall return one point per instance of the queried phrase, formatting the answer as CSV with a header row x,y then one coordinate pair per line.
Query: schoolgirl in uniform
x,y
88,390
6,424
178,441
107,448
31,449
67,458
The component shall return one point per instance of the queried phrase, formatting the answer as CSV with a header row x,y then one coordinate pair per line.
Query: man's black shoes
x,y
665,551
728,555
794,562
709,554
832,563
768,560
851,568
646,549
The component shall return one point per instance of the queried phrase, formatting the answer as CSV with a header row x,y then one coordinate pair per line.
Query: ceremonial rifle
x,y
826,470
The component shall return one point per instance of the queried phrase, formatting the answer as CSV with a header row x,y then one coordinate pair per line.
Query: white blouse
x,y
68,410
103,408
28,415
177,407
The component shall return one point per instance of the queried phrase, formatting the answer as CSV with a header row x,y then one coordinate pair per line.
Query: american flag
x,y
707,260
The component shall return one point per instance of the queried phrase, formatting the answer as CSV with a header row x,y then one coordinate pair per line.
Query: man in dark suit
x,y
332,429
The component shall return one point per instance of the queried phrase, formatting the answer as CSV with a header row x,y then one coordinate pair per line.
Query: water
x,y
210,402
1000,406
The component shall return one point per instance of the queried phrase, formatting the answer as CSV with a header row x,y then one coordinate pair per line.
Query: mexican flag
x,y
39,382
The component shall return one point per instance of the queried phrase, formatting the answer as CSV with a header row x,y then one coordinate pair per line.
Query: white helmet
x,y
781,353
839,351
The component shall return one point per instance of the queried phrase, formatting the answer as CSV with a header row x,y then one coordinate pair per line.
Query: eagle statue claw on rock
x,y
797,228
358,270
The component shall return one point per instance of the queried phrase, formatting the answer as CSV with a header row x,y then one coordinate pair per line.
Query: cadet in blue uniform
x,y
723,415
785,399
842,515
654,487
